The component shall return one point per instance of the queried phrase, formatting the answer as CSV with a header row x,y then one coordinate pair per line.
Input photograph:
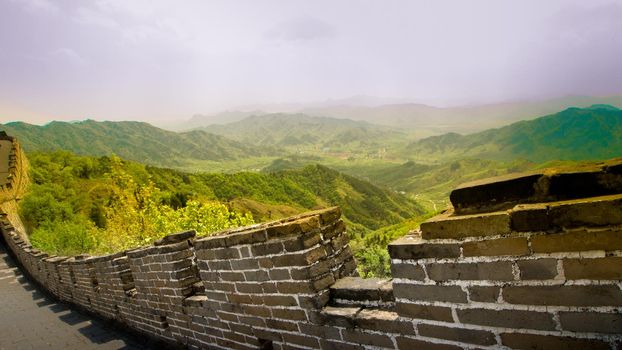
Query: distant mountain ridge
x,y
297,130
137,141
573,134
425,119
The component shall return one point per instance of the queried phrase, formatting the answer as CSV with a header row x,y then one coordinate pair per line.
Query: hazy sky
x,y
155,60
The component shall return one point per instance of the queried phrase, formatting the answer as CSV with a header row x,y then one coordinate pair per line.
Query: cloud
x,y
67,55
301,29
38,5
88,16
579,53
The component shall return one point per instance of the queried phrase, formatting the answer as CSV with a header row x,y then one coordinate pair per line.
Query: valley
x,y
385,179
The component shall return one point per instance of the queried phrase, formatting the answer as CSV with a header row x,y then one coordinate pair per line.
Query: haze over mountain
x,y
137,141
295,131
424,119
572,134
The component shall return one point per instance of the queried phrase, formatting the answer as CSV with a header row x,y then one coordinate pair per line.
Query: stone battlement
x,y
529,274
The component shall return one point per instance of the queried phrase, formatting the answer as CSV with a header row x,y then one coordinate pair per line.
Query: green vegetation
x,y
301,133
136,141
371,251
573,134
365,206
102,205
80,204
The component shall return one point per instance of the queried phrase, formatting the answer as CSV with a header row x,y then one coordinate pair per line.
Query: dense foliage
x,y
101,205
365,206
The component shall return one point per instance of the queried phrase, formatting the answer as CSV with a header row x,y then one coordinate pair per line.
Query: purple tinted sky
x,y
157,60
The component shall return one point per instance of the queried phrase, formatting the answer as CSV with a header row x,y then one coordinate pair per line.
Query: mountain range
x,y
296,131
423,119
137,141
573,134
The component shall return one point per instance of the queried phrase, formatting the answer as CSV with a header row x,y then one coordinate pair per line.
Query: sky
x,y
160,60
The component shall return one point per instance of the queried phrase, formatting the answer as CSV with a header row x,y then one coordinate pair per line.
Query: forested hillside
x,y
129,140
84,202
573,134
365,205
300,131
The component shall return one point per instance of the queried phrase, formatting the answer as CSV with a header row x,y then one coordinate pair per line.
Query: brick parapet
x,y
242,288
555,286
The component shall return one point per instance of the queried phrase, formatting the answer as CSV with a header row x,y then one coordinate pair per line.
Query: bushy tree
x,y
66,237
100,206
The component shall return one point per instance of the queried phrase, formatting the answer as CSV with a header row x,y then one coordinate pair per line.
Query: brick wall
x,y
254,287
537,276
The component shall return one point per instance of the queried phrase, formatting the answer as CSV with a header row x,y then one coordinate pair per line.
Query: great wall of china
x,y
525,262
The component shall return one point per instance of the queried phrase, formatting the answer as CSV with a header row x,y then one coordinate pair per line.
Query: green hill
x,y
363,204
303,132
427,120
573,134
265,195
130,140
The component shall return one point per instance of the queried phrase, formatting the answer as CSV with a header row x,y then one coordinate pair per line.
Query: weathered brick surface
x,y
381,320
487,294
358,289
495,192
445,226
496,271
599,211
413,247
609,268
497,247
593,322
407,343
409,271
607,239
538,269
453,294
593,295
530,217
508,318
367,338
469,336
545,342
426,312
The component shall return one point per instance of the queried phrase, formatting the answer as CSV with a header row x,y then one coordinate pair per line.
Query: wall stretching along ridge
x,y
530,270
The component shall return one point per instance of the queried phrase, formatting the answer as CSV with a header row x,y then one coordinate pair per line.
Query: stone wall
x,y
543,275
13,179
255,287
537,276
